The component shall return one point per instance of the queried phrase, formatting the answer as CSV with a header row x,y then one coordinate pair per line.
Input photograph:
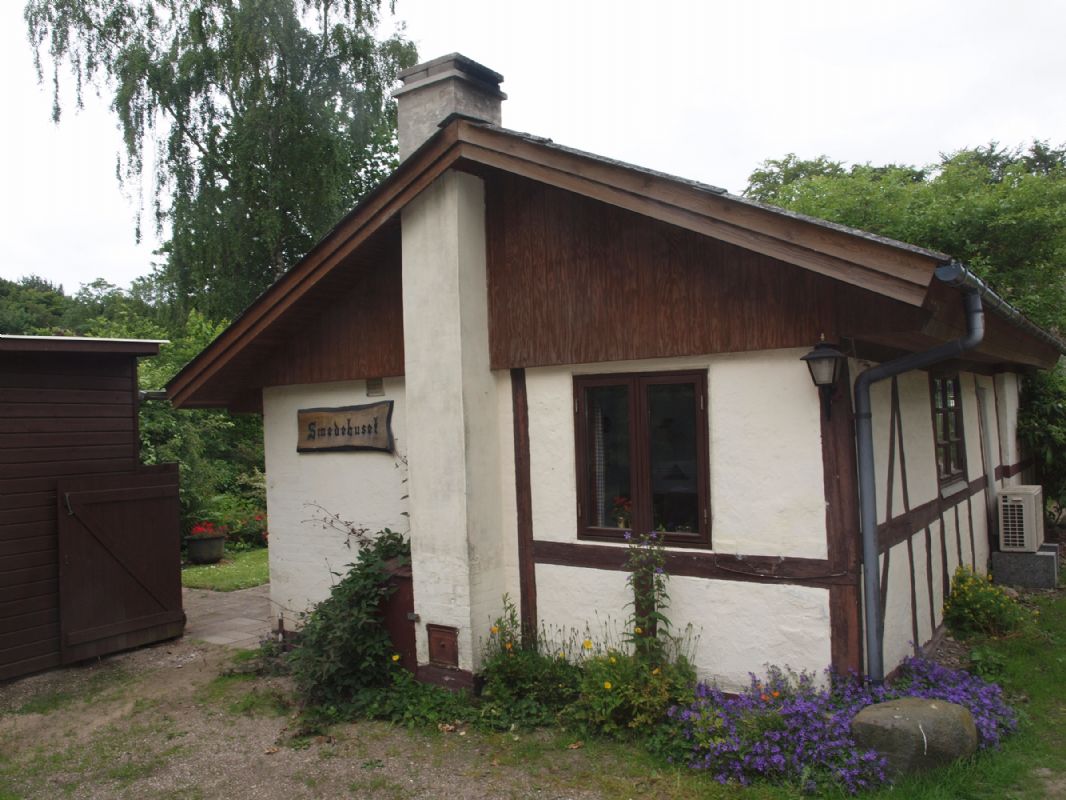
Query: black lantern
x,y
824,363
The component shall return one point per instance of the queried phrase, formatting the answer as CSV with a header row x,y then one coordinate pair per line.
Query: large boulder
x,y
915,734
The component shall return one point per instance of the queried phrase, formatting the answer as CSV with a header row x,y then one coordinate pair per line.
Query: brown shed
x,y
89,538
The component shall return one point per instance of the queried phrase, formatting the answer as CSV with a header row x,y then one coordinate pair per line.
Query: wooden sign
x,y
367,427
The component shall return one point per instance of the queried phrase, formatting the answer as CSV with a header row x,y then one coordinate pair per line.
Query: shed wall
x,y
61,415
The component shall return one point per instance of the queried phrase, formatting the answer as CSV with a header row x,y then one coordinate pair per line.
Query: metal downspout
x,y
954,274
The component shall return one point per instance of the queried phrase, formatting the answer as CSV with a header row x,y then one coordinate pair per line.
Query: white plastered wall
x,y
364,487
735,627
767,498
1007,388
462,547
766,482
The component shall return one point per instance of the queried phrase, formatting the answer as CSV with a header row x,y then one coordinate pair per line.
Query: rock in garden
x,y
915,734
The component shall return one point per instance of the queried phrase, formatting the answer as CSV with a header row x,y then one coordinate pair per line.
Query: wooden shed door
x,y
119,563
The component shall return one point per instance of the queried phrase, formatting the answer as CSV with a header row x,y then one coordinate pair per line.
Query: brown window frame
x,y
942,445
640,459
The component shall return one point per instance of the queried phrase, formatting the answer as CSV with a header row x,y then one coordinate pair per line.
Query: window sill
x,y
953,487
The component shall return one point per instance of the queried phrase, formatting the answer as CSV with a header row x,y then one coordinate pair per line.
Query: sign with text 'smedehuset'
x,y
367,427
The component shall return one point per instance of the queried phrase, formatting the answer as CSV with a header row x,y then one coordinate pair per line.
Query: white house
x,y
568,345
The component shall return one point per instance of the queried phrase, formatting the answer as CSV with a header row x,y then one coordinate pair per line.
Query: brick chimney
x,y
431,92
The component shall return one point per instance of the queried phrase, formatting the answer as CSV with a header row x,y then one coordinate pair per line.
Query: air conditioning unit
x,y
1021,518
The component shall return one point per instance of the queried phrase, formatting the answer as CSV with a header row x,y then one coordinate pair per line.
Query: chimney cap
x,y
453,65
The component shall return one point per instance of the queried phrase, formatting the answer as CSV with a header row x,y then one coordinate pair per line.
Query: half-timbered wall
x,y
926,531
60,416
768,508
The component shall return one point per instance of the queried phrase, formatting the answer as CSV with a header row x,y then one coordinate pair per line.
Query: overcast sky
x,y
706,90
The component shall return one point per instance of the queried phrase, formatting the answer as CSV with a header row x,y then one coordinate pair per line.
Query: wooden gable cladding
x,y
572,280
356,332
348,327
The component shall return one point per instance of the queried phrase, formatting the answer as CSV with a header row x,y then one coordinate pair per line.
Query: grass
x,y
235,571
105,683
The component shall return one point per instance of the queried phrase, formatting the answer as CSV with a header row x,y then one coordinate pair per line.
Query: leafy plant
x,y
976,606
523,686
343,646
622,694
646,565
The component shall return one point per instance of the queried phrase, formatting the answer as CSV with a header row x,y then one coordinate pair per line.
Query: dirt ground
x,y
160,723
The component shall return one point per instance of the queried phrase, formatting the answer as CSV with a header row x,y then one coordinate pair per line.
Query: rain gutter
x,y
974,290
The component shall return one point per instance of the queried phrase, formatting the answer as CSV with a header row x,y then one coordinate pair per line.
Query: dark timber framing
x,y
527,575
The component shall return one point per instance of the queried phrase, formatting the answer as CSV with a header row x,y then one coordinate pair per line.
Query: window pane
x,y
608,449
674,464
941,460
938,393
956,461
950,386
952,431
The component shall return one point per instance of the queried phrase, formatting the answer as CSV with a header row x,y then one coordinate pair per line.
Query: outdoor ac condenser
x,y
1021,519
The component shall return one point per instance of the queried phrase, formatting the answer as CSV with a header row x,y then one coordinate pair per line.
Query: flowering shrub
x,y
207,528
994,719
522,685
782,729
623,693
976,606
785,728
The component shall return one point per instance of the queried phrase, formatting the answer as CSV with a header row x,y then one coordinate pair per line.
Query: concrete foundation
x,y
1039,570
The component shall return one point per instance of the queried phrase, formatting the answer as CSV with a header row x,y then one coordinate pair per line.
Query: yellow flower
x,y
638,631
395,656
606,684
613,661
656,671
508,646
587,644
494,629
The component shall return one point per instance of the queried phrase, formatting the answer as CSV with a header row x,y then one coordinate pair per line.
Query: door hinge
x,y
66,499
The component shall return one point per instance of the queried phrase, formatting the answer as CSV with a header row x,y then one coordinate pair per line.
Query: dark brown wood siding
x,y
572,280
61,415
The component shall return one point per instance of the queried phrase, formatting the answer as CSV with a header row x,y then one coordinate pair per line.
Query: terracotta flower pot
x,y
205,549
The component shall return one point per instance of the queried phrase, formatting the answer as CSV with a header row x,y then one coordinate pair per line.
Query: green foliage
x,y
976,607
622,694
414,705
343,646
523,686
648,626
1042,430
270,118
1003,212
33,306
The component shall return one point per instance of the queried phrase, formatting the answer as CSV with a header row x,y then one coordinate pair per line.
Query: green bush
x,y
622,694
523,686
978,607
343,646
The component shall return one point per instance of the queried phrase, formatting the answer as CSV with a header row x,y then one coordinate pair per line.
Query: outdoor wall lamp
x,y
824,363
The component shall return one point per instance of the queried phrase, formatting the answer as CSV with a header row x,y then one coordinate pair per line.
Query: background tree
x,y
270,118
1001,211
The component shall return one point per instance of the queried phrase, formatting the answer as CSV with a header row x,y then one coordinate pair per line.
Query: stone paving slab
x,y
239,619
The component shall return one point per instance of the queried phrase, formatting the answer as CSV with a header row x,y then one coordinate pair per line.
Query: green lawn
x,y
234,571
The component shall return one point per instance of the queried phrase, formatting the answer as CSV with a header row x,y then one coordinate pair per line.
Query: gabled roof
x,y
889,268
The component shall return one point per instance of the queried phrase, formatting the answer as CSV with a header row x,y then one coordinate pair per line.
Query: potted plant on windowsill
x,y
205,543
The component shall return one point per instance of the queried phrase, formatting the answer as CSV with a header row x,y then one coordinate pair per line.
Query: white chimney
x,y
433,91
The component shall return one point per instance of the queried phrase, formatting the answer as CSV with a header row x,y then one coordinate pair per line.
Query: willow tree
x,y
254,124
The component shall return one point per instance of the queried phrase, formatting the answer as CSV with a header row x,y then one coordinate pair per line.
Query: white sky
x,y
705,90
